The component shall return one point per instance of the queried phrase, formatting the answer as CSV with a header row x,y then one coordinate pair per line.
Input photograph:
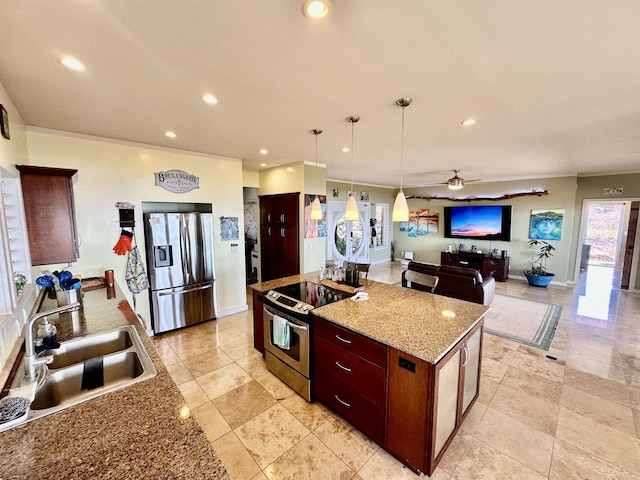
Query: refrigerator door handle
x,y
183,254
203,287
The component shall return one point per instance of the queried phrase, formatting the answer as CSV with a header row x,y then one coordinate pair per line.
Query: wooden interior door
x,y
628,251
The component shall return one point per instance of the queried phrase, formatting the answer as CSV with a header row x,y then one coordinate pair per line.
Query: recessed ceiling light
x,y
345,149
72,63
316,8
210,99
468,122
263,151
263,164
170,134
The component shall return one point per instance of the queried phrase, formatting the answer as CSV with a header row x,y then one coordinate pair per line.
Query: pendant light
x,y
400,207
316,208
352,207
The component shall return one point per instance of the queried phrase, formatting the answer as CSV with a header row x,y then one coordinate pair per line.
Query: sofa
x,y
457,282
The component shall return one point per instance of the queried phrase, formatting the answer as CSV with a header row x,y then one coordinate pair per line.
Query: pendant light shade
x,y
400,207
352,209
351,212
316,208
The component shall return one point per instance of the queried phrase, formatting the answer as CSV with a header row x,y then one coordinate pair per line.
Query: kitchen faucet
x,y
31,359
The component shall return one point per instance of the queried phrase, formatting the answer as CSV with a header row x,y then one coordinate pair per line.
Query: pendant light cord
x,y
401,148
352,156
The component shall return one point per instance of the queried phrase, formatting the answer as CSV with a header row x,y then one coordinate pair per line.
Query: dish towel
x,y
281,333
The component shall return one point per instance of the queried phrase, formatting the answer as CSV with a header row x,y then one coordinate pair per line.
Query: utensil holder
x,y
67,297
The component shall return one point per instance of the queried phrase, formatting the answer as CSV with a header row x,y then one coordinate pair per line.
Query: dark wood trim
x,y
506,196
49,171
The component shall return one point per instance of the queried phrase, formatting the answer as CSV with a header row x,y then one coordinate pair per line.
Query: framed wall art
x,y
546,224
4,122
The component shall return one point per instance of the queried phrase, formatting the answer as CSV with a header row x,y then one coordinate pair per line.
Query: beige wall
x,y
13,151
117,171
315,249
561,196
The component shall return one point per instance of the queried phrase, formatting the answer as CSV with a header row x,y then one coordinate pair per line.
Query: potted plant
x,y
537,274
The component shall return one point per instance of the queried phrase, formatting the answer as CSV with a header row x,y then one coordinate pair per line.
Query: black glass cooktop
x,y
312,293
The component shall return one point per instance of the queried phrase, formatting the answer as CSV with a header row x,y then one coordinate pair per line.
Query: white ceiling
x,y
554,84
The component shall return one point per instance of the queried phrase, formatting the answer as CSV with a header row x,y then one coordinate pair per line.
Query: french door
x,y
348,239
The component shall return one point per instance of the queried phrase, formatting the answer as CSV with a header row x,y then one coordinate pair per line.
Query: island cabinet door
x,y
258,321
472,354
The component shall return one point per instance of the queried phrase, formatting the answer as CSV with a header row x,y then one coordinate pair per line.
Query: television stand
x,y
496,267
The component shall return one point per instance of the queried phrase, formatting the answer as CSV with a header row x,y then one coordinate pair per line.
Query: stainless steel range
x,y
287,330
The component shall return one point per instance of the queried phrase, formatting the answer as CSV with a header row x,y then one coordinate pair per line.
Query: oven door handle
x,y
295,325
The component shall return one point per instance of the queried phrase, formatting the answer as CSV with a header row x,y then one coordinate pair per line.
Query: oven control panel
x,y
289,303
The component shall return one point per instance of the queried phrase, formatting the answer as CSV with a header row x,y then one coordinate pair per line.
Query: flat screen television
x,y
488,222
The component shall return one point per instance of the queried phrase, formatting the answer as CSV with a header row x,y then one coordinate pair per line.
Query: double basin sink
x,y
91,366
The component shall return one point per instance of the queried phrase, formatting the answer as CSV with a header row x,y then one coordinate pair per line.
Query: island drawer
x,y
363,414
360,345
365,377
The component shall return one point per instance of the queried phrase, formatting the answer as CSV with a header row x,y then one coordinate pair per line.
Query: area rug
x,y
525,321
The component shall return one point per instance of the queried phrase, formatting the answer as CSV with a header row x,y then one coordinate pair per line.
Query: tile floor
x,y
577,417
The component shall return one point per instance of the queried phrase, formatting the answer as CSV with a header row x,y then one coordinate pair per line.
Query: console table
x,y
497,267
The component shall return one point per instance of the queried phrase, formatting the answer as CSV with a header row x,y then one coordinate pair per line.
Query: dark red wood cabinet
x,y
349,375
50,214
496,267
279,235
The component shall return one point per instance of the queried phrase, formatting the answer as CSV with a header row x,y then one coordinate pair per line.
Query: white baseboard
x,y
241,308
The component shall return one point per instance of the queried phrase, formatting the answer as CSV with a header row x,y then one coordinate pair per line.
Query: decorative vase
x,y
539,280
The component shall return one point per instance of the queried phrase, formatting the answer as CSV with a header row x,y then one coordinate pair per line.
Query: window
x,y
381,226
14,263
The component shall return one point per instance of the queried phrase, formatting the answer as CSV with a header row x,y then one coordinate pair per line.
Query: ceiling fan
x,y
456,183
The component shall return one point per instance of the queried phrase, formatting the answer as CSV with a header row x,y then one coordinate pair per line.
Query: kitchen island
x,y
402,366
144,431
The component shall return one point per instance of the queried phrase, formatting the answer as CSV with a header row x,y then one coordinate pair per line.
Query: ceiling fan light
x,y
351,213
316,209
455,184
400,208
315,9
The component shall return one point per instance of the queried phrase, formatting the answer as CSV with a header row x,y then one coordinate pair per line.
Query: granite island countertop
x,y
421,324
144,431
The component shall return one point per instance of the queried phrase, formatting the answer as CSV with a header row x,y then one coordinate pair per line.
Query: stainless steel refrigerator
x,y
181,270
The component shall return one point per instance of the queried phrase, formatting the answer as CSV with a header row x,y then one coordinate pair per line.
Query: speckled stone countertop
x,y
418,323
143,431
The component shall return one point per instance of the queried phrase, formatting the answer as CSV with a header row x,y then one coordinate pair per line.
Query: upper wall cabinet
x,y
50,214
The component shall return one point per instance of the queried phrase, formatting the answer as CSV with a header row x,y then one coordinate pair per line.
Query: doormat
x,y
525,321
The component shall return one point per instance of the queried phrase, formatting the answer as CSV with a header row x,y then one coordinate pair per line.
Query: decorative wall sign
x,y
364,196
613,191
229,228
546,224
4,122
177,181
